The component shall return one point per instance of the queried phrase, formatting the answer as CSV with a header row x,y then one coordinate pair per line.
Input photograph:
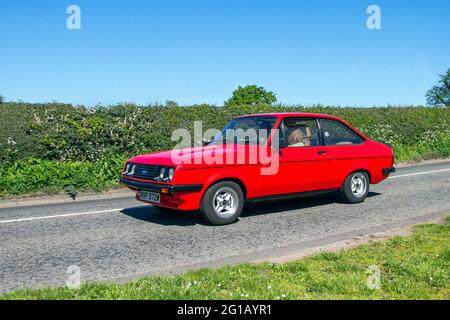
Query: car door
x,y
301,159
342,148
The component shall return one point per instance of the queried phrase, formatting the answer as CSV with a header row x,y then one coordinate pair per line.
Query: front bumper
x,y
147,186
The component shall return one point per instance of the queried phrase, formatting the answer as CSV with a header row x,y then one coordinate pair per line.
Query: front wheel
x,y
222,203
356,187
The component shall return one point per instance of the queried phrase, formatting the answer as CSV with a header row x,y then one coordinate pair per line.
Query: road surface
x,y
121,239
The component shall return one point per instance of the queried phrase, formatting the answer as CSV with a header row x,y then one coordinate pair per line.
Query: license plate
x,y
150,196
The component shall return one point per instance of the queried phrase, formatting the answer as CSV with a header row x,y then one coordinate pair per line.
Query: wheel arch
x,y
359,165
233,179
362,170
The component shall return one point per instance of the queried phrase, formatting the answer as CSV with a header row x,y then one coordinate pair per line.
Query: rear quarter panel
x,y
370,156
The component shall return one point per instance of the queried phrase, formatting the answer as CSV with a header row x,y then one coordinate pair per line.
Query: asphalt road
x,y
120,239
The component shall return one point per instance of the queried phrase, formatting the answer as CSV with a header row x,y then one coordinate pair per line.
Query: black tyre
x,y
356,187
222,203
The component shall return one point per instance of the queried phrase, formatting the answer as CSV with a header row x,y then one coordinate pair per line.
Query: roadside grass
x,y
414,267
436,148
37,176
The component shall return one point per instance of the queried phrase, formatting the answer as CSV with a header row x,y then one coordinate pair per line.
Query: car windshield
x,y
246,130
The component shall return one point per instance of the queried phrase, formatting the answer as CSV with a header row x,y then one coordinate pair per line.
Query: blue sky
x,y
196,51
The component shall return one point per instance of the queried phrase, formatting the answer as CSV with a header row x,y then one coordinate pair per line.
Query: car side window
x,y
301,132
337,134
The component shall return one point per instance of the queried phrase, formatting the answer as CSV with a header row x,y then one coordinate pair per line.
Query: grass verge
x,y
415,267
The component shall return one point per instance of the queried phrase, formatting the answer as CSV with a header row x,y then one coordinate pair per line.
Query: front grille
x,y
145,171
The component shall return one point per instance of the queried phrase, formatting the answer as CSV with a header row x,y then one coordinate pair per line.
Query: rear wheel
x,y
222,203
356,187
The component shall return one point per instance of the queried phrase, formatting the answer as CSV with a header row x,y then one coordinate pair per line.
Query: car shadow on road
x,y
184,219
268,207
153,215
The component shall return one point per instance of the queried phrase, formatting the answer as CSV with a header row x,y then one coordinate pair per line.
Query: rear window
x,y
337,134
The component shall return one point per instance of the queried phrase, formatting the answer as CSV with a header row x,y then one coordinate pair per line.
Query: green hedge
x,y
55,145
63,132
32,175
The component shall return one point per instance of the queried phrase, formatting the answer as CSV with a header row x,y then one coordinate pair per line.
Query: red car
x,y
261,157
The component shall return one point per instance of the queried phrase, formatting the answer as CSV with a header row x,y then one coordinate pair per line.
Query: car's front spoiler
x,y
138,185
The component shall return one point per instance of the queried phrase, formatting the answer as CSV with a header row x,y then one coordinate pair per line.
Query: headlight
x,y
162,173
171,172
165,174
129,169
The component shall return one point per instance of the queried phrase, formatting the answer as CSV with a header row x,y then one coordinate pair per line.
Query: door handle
x,y
322,152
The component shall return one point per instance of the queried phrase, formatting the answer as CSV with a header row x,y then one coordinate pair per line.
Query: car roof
x,y
291,114
279,115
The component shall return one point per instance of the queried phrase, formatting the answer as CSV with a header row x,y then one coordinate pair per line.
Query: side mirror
x,y
205,142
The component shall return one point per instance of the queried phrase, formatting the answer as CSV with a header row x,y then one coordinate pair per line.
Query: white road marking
x,y
60,216
120,209
418,173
